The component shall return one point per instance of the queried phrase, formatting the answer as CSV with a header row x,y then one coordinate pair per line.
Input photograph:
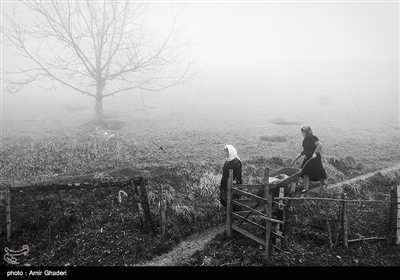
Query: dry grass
x,y
274,138
36,149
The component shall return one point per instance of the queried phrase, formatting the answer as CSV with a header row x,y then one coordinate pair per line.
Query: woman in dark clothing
x,y
232,162
313,170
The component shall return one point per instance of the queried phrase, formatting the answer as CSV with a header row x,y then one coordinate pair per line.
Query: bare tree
x,y
92,45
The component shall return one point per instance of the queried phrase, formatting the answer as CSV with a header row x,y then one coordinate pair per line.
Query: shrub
x,y
281,121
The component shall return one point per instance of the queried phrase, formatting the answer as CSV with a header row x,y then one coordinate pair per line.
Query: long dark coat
x,y
236,165
313,168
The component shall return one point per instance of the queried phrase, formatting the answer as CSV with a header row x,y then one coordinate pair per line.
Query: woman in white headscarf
x,y
232,162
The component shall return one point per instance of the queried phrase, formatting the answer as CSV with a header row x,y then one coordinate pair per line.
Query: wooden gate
x,y
269,213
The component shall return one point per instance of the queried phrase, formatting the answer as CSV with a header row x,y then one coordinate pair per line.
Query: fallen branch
x,y
367,239
160,147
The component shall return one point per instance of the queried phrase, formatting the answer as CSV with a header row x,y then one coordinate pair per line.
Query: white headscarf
x,y
232,152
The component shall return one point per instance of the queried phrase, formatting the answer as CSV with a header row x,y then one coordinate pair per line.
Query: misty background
x,y
335,61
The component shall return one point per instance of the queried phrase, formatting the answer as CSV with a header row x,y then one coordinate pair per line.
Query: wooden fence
x,y
394,225
393,219
259,207
137,185
275,227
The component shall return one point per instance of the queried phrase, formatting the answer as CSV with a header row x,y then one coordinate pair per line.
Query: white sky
x,y
287,46
347,44
256,32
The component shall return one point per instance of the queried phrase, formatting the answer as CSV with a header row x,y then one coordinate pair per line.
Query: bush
x,y
281,121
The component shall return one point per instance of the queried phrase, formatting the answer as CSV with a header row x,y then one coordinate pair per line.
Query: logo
x,y
10,255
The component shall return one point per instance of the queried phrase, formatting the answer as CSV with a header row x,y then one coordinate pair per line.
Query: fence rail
x,y
334,199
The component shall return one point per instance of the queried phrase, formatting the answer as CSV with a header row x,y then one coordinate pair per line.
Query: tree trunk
x,y
98,107
98,110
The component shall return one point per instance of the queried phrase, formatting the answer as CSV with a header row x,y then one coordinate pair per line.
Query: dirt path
x,y
361,177
198,241
186,248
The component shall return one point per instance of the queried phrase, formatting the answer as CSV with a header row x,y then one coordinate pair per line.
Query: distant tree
x,y
92,45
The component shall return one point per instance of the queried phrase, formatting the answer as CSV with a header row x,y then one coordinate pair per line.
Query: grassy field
x,y
56,138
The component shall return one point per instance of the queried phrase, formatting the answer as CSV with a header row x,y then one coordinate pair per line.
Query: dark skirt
x,y
313,169
223,198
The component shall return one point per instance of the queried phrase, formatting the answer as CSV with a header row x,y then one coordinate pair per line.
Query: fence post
x,y
339,216
392,216
286,225
268,212
136,202
229,205
397,214
280,216
59,204
145,204
8,212
344,221
162,211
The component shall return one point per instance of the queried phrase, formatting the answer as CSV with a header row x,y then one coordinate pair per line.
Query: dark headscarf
x,y
307,130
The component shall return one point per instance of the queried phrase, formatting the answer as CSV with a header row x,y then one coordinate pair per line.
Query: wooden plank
x,y
283,228
276,247
280,195
248,234
245,201
279,227
243,213
268,226
257,187
229,205
247,221
8,212
278,204
70,186
253,196
334,199
278,234
268,212
286,228
271,219
261,215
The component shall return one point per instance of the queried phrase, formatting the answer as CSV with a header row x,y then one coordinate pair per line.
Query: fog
x,y
294,56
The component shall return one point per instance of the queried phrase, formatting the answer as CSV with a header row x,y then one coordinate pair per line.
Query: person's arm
x,y
318,148
302,153
238,173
